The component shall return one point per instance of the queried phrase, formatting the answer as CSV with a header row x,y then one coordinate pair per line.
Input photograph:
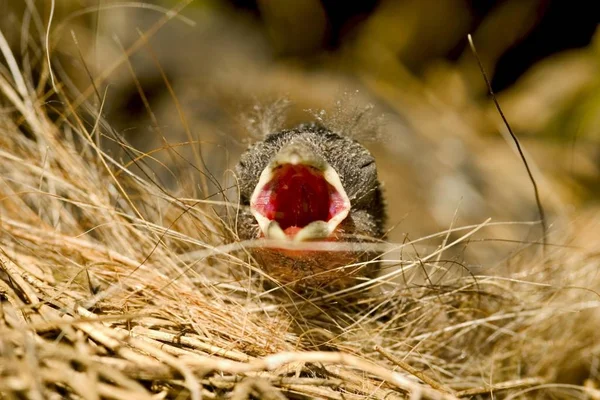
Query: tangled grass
x,y
113,287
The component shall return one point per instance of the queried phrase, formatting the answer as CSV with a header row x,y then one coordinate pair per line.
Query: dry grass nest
x,y
113,287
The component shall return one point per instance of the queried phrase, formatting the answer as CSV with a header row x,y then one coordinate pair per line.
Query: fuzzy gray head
x,y
353,163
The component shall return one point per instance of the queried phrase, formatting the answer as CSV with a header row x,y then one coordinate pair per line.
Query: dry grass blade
x,y
517,144
111,286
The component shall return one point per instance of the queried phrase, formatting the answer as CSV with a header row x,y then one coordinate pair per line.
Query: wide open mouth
x,y
299,201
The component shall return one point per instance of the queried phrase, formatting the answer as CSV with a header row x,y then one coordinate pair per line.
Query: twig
x,y
518,383
278,360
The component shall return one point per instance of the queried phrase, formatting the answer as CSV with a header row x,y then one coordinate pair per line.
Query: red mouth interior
x,y
296,196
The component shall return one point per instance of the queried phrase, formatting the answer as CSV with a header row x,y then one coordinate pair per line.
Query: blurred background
x,y
209,77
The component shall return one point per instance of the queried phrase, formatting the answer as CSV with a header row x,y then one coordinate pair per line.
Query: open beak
x,y
299,196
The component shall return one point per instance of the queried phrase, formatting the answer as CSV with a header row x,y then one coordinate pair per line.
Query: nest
x,y
113,287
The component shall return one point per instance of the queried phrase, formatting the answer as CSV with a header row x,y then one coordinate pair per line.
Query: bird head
x,y
308,184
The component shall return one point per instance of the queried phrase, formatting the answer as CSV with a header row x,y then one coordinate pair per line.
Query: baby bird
x,y
311,184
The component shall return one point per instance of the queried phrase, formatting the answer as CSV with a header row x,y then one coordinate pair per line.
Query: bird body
x,y
311,184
